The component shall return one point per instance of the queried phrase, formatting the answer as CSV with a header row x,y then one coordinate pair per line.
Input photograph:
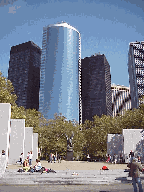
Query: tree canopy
x,y
90,137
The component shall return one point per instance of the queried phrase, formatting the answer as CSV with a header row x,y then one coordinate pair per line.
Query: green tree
x,y
7,91
53,136
132,119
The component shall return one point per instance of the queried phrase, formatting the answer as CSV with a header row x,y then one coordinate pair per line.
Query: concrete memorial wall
x,y
133,140
3,163
35,146
5,114
28,141
115,144
17,139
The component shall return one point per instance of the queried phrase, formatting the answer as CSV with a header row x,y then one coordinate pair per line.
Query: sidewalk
x,y
66,174
75,165
63,177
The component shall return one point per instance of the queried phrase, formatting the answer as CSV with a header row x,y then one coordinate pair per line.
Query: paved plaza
x,y
69,176
75,165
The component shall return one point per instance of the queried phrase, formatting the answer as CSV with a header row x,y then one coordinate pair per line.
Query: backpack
x,y
105,168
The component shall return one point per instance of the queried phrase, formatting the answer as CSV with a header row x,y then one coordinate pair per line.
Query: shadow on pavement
x,y
126,180
123,180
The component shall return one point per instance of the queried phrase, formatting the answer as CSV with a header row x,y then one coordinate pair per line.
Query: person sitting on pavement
x,y
25,165
38,165
21,157
3,152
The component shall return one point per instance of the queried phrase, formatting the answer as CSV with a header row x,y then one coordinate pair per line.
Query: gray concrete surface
x,y
67,177
67,180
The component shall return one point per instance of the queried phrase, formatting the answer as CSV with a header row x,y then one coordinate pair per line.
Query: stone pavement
x,y
67,188
68,176
65,177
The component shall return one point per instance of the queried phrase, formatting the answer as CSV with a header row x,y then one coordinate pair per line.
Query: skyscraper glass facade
x,y
24,73
60,71
136,72
96,87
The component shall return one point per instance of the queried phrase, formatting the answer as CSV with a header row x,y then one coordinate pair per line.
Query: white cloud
x,y
13,9
6,2
18,7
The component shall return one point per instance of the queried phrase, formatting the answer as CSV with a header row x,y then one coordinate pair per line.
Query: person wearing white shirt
x,y
88,158
38,165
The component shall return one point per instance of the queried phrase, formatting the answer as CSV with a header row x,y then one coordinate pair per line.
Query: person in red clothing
x,y
28,156
108,159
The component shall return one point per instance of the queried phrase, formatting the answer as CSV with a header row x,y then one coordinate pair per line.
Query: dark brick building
x,y
24,73
96,87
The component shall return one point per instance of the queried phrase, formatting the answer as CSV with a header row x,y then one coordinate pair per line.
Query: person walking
x,y
139,160
59,158
50,158
121,158
131,156
88,158
135,168
54,158
114,159
108,158
30,158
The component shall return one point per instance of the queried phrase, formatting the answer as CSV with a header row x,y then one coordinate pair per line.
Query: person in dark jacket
x,y
59,158
131,156
135,169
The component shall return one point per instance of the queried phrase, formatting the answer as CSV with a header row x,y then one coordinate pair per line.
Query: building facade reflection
x,y
60,71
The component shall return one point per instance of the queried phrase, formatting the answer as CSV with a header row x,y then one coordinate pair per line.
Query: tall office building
x,y
121,99
136,72
60,72
96,87
24,73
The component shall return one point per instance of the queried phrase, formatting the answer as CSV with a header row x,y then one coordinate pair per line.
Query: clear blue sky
x,y
106,26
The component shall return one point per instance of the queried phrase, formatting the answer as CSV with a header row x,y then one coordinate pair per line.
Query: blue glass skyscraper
x,y
61,72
